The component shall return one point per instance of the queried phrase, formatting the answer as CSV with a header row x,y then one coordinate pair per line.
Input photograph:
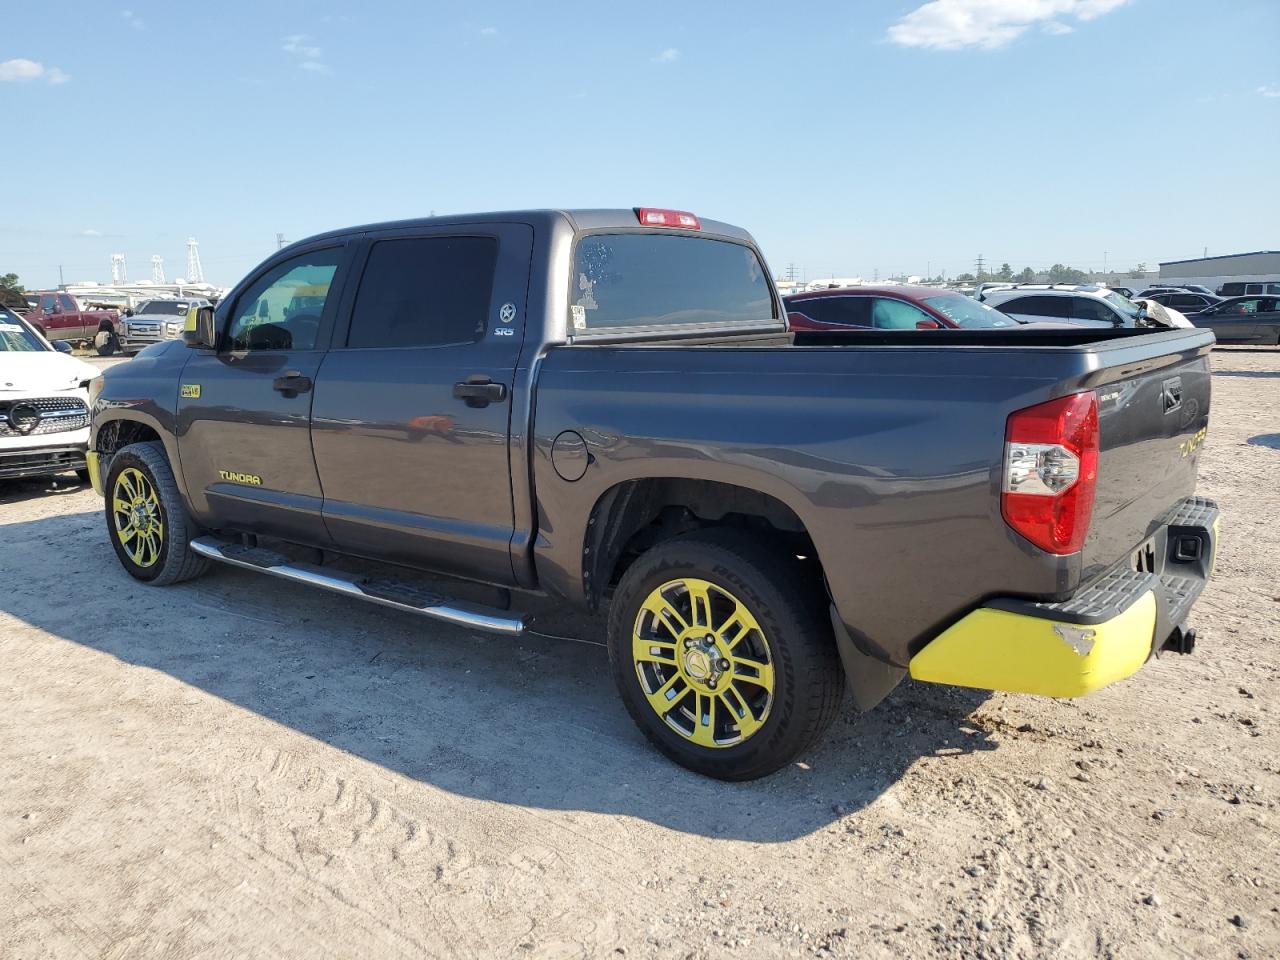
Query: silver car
x,y
156,321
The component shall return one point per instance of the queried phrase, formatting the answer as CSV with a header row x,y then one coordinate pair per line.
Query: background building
x,y
1213,272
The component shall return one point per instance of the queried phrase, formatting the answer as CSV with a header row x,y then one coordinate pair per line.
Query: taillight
x,y
1051,471
654,217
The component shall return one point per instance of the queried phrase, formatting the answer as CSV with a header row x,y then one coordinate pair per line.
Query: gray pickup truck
x,y
606,407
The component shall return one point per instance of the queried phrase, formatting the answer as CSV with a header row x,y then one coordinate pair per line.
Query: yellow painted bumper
x,y
1000,650
95,470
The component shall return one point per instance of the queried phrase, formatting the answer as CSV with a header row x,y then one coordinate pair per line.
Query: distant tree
x,y
1059,273
1026,276
1138,271
965,277
1005,272
10,280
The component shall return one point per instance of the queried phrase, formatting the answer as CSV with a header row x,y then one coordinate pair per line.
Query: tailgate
x,y
1152,420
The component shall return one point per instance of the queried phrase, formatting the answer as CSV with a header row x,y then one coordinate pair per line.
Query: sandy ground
x,y
238,767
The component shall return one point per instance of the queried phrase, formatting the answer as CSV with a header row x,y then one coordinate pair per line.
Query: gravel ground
x,y
238,767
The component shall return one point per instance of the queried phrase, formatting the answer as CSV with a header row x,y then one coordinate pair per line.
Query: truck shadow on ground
x,y
33,488
532,722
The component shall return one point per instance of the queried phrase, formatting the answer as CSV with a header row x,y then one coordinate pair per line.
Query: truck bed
x,y
889,450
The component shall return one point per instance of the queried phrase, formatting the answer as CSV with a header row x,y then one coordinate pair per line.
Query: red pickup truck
x,y
59,316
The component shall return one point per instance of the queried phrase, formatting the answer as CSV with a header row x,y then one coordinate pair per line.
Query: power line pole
x,y
61,282
981,266
280,241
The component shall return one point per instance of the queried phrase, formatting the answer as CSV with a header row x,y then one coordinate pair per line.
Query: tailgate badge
x,y
1171,394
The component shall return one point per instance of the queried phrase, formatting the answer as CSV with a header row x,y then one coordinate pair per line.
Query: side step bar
x,y
389,593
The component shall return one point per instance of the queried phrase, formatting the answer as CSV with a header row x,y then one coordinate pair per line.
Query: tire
x,y
106,343
161,554
781,616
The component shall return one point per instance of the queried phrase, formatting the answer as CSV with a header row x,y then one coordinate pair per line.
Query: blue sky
x,y
885,135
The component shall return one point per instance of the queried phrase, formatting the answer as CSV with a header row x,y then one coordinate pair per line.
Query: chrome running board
x,y
388,593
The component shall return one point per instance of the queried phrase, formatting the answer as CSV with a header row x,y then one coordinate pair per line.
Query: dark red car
x,y
896,307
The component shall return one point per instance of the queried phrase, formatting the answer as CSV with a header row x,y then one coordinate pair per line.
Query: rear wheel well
x,y
638,514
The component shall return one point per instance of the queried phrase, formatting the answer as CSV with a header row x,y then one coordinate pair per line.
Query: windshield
x,y
644,279
1125,305
15,336
175,307
967,313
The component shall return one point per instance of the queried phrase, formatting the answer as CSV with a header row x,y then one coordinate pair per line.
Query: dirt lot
x,y
238,767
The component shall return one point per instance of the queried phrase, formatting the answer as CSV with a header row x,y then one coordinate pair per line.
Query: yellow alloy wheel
x,y
135,511
703,662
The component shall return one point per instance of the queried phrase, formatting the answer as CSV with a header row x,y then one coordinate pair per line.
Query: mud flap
x,y
870,680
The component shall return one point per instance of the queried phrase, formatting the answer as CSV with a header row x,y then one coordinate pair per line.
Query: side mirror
x,y
200,333
62,346
928,325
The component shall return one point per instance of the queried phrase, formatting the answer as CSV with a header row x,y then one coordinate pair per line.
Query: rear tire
x,y
147,521
106,343
723,725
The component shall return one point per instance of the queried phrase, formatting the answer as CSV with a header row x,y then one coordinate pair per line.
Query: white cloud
x,y
133,19
669,55
488,31
296,44
21,70
308,56
1056,28
90,233
989,24
1269,90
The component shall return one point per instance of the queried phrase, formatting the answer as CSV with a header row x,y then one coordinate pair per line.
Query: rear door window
x,y
424,292
1056,307
642,281
846,311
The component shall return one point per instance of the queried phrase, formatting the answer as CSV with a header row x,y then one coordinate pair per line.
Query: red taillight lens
x,y
655,217
1051,471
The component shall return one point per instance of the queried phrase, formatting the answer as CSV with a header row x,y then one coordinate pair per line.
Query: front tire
x,y
147,521
722,652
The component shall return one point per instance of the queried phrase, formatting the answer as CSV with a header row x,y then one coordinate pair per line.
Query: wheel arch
x,y
124,427
633,515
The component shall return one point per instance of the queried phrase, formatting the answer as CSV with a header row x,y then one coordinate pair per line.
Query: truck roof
x,y
578,219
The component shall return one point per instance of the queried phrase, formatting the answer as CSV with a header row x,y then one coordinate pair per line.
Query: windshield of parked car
x,y
1124,305
645,280
174,307
969,313
15,336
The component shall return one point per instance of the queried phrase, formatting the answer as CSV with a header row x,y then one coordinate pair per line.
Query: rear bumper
x,y
1102,634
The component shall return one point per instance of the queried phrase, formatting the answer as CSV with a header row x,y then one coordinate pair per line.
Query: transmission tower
x,y
981,267
157,269
195,272
791,272
119,269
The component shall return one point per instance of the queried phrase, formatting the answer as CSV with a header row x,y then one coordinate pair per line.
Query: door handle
x,y
479,391
292,384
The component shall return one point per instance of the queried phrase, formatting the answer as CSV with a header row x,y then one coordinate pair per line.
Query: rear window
x,y
967,313
649,280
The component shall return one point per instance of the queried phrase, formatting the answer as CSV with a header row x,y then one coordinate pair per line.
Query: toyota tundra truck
x,y
605,407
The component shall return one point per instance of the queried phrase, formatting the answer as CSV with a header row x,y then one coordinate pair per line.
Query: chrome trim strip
x,y
463,616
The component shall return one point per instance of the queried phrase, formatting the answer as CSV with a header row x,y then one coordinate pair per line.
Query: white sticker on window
x,y
10,328
579,317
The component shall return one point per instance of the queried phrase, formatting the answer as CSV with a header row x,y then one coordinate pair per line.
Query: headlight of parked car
x,y
175,327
